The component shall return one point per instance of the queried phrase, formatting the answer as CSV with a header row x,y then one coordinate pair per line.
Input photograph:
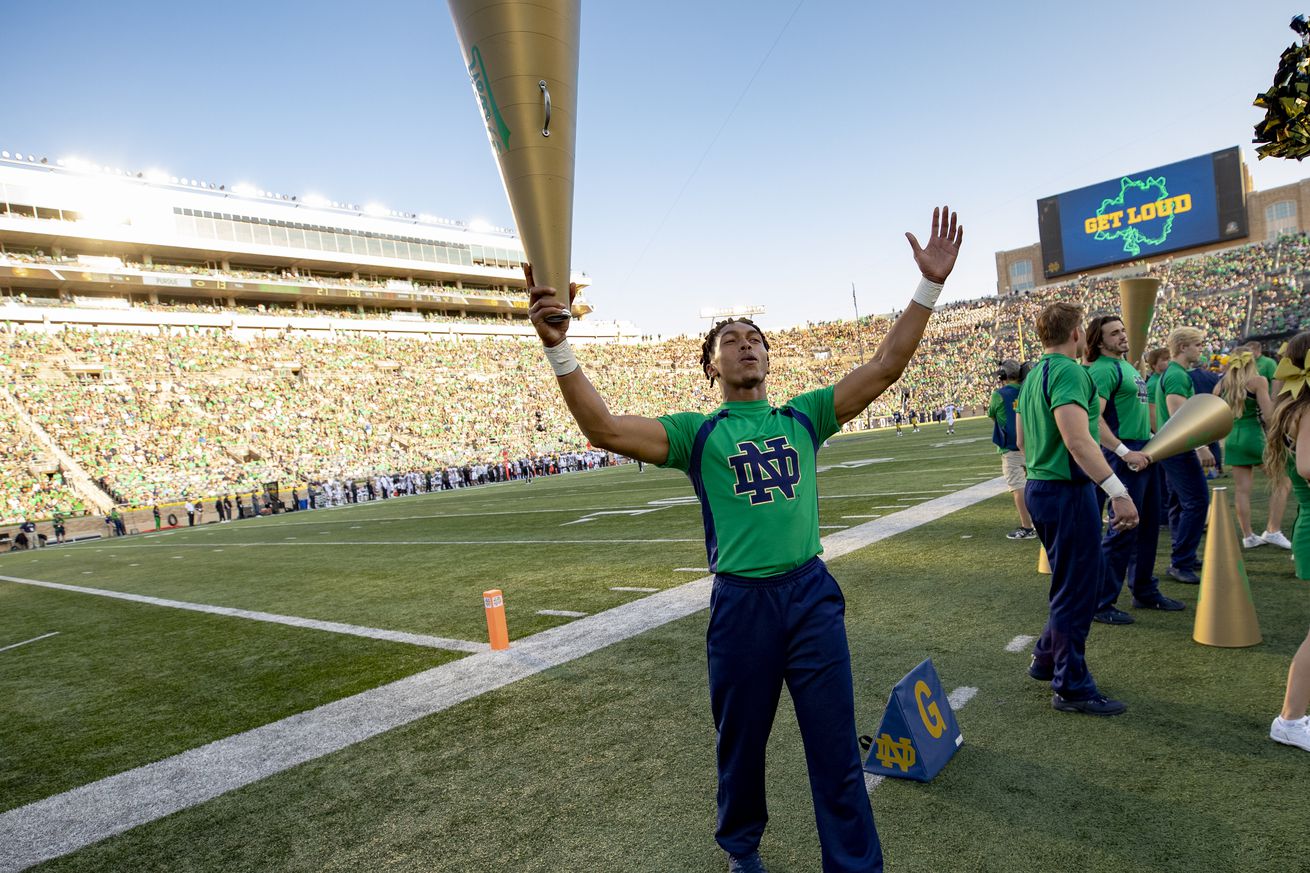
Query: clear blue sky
x,y
864,115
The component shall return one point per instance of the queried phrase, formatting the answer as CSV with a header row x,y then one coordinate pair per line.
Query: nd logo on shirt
x,y
760,472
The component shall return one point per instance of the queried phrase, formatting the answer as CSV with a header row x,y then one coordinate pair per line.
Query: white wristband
x,y
1113,488
1121,450
927,293
561,358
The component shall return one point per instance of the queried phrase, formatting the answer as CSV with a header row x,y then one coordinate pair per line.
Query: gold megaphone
x,y
1225,612
522,58
1201,420
1137,299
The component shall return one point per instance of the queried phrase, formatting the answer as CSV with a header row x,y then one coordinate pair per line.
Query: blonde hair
x,y
1287,415
1183,336
1233,386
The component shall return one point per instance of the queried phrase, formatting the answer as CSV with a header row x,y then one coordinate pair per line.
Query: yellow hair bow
x,y
1240,360
1292,376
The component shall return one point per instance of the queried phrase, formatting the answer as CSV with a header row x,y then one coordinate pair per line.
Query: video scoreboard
x,y
1190,203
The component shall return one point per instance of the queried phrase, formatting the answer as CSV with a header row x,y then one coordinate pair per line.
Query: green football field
x,y
309,691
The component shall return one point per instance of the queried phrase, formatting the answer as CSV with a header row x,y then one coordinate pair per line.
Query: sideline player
x,y
1125,427
1058,433
1000,409
776,614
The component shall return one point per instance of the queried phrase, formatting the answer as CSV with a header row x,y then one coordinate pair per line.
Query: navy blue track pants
x,y
764,632
1068,523
1187,519
1135,547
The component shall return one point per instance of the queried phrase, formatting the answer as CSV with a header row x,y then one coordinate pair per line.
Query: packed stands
x,y
164,414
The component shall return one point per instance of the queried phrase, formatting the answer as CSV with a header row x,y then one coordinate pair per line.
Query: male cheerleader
x,y
776,614
1058,416
1125,427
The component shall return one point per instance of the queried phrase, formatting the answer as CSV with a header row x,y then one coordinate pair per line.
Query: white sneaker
x,y
1252,541
1291,733
1276,539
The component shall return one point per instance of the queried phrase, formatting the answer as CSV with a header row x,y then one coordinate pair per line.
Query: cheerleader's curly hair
x,y
712,340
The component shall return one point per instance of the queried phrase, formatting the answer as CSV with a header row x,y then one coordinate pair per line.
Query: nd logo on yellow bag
x,y
919,733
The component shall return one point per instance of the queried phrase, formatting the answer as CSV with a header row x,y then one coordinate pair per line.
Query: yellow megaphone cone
x,y
1225,613
1201,420
1043,562
1137,299
522,58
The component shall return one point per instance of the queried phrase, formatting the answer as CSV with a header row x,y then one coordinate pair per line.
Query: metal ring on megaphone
x,y
545,95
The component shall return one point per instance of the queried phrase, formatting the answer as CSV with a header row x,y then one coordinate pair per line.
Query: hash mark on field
x,y
691,569
32,640
562,613
1019,643
861,516
85,815
631,588
966,536
833,526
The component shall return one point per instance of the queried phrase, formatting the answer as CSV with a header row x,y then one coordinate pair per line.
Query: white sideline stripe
x,y
295,621
630,588
32,640
691,569
564,613
957,699
75,819
1019,643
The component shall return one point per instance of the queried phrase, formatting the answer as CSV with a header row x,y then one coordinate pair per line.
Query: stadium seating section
x,y
201,413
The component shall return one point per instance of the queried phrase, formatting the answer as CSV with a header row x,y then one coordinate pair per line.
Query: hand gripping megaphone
x,y
522,58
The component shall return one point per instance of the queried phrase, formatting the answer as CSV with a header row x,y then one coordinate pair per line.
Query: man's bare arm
x,y
935,261
633,436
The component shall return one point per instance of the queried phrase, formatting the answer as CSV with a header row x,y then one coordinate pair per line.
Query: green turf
x,y
607,762
124,684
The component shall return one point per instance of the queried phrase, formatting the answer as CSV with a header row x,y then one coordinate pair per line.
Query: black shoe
x,y
1113,616
1098,705
1022,533
1165,604
1041,673
1187,577
746,864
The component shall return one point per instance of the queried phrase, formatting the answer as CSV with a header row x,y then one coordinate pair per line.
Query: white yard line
x,y
32,640
1019,643
563,613
294,621
631,588
691,569
316,543
70,821
861,516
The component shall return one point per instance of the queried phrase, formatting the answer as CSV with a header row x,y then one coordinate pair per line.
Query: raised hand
x,y
937,259
545,304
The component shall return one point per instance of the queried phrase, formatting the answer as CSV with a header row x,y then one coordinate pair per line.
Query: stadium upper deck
x,y
112,238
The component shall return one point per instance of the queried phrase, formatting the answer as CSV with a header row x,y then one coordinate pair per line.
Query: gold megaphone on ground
x,y
522,58
1225,612
1201,420
1137,300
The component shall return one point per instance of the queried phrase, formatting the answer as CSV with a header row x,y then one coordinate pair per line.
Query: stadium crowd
x,y
167,415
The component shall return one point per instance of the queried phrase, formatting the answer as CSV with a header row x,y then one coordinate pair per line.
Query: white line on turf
x,y
563,613
1019,643
70,821
632,588
430,642
833,526
32,640
691,569
957,699
546,542
861,516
